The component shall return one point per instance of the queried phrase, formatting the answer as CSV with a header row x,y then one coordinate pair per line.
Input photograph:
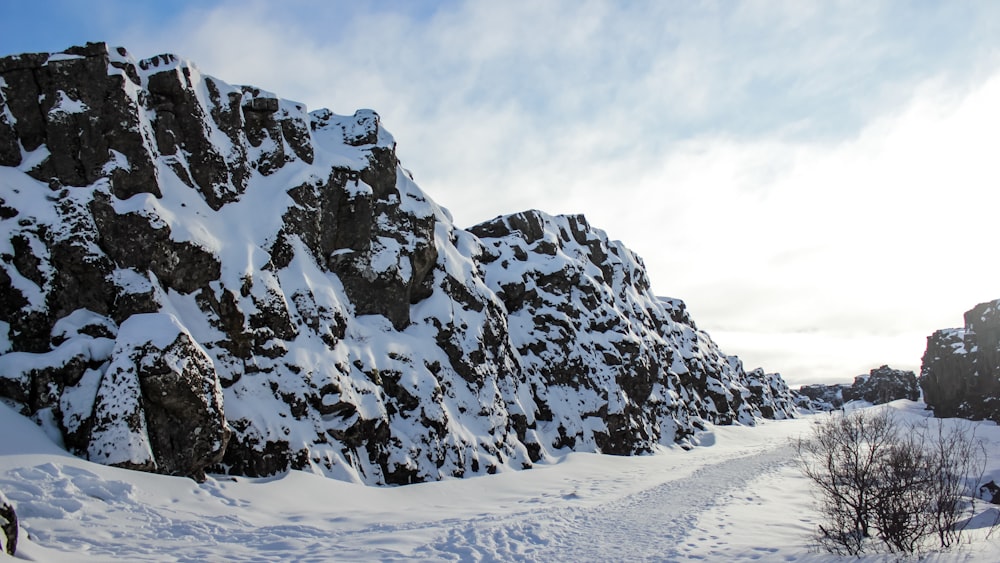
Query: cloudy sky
x,y
819,181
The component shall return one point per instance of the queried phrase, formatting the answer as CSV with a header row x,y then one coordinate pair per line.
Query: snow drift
x,y
196,276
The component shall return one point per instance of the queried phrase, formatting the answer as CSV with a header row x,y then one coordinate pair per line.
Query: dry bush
x,y
881,481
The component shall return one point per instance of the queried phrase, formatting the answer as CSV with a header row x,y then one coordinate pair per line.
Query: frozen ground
x,y
739,498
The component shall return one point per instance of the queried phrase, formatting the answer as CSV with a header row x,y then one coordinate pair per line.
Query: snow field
x,y
737,498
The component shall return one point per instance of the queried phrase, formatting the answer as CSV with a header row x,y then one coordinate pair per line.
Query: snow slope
x,y
740,499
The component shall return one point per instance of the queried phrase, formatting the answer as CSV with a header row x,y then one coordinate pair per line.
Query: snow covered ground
x,y
739,498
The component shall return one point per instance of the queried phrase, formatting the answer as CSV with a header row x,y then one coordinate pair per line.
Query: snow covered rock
x,y
770,394
881,385
606,361
990,492
197,276
159,403
8,526
960,373
821,397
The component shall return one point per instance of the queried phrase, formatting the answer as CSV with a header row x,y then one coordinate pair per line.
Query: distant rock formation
x,y
960,373
196,276
881,385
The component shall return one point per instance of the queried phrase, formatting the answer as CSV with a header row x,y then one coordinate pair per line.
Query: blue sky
x,y
812,178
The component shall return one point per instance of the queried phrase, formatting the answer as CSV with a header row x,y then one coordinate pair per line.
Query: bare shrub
x,y
958,459
878,480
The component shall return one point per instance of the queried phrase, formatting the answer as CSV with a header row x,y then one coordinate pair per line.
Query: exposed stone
x,y
769,394
10,149
82,114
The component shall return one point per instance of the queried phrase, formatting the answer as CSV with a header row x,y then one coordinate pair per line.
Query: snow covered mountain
x,y
196,276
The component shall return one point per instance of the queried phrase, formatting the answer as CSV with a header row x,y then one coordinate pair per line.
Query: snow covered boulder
x,y
8,526
159,405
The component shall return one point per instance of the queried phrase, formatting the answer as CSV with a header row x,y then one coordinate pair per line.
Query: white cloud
x,y
865,240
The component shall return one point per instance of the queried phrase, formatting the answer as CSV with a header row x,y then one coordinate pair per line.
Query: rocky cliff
x,y
196,276
960,373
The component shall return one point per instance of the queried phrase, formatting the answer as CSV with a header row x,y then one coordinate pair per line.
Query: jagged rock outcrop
x,y
8,526
196,276
881,385
960,372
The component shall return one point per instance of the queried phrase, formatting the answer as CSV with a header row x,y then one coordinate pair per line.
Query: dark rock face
x,y
8,526
196,276
881,385
960,373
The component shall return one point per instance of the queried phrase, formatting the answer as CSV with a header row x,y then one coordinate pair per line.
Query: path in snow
x,y
655,524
